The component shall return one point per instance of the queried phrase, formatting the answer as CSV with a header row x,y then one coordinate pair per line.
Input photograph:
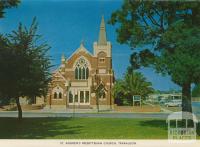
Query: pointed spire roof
x,y
82,47
102,33
63,57
82,44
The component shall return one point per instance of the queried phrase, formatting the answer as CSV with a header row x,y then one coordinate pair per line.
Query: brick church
x,y
77,80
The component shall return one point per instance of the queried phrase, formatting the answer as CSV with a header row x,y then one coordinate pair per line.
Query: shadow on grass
x,y
154,124
37,128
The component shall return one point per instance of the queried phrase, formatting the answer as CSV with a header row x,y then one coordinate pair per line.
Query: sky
x,y
64,24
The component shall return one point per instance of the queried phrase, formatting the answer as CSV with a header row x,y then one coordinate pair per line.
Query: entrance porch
x,y
79,97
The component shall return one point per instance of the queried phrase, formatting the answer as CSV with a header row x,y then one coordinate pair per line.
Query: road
x,y
100,115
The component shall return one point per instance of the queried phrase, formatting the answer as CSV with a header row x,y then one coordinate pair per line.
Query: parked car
x,y
163,101
174,103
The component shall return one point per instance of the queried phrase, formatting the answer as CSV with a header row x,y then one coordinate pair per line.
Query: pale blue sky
x,y
64,23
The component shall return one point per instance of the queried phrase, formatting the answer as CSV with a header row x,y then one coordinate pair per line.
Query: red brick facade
x,y
77,78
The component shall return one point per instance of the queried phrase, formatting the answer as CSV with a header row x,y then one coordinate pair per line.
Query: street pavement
x,y
100,115
37,114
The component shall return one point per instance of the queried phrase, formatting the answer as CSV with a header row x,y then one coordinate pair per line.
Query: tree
x,y
166,36
99,91
134,83
119,92
5,4
196,90
24,64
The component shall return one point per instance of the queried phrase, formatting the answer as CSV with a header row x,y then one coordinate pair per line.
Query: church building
x,y
84,80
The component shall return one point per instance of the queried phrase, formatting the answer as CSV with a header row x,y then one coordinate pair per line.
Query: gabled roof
x,y
57,73
101,86
80,49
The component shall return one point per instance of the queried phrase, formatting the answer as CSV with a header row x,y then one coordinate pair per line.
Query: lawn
x,y
82,128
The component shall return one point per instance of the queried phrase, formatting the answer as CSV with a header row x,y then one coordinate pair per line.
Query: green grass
x,y
82,128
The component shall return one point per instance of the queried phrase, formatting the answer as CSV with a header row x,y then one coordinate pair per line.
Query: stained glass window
x,y
60,95
55,95
81,69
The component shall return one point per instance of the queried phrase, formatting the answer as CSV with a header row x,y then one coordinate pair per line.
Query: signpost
x,y
137,100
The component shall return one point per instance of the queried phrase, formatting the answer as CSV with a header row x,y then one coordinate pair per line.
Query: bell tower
x,y
103,48
104,73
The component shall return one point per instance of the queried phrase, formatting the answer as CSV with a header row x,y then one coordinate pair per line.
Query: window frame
x,y
81,69
102,60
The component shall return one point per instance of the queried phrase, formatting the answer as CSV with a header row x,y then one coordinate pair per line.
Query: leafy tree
x,y
166,36
5,4
134,83
24,64
99,91
119,92
196,90
4,101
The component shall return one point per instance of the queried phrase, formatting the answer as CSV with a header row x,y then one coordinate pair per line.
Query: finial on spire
x,y
82,43
63,58
102,33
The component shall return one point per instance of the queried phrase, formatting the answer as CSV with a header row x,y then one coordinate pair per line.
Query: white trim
x,y
102,65
102,71
57,72
79,84
105,48
75,91
74,64
57,99
104,74
71,69
107,74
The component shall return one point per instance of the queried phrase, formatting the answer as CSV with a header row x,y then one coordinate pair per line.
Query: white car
x,y
174,103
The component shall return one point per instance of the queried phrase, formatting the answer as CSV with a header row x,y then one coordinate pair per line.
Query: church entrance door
x,y
79,97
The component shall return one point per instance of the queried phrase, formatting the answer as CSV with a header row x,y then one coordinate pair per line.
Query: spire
x,y
102,33
63,58
82,44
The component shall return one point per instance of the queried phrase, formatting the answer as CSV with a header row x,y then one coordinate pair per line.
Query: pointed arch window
x,y
81,69
83,73
87,73
60,95
76,73
80,73
57,92
70,97
55,95
104,95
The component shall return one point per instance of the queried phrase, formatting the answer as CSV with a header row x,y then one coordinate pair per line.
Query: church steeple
x,y
63,58
102,33
102,45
